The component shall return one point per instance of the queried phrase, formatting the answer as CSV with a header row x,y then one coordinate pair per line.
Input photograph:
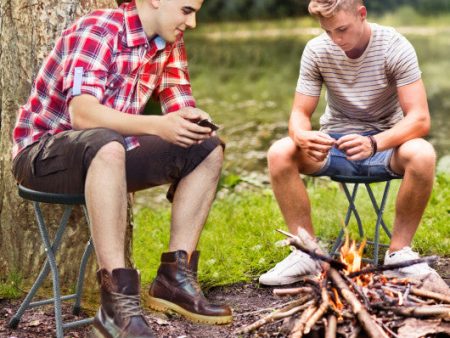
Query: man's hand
x,y
355,146
180,128
315,144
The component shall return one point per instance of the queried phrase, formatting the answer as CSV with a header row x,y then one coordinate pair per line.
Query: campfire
x,y
351,300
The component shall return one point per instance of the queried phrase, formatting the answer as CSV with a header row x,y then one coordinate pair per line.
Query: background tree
x,y
28,29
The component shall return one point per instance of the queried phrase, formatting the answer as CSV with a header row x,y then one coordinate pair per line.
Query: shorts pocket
x,y
49,160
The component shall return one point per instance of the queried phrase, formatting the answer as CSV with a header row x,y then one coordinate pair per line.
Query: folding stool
x,y
50,263
378,208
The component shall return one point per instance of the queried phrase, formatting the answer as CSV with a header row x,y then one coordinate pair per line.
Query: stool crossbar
x,y
378,208
51,249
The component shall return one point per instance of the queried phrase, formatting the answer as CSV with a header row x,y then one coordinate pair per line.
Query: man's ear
x,y
155,3
362,11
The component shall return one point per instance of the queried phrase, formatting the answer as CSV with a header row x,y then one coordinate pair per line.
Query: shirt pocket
x,y
114,84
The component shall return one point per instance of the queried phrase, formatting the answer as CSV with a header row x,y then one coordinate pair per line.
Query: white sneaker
x,y
414,271
290,270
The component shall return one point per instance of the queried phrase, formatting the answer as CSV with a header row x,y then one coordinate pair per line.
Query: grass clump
x,y
10,286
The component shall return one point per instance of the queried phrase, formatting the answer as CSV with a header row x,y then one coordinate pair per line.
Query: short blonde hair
x,y
327,8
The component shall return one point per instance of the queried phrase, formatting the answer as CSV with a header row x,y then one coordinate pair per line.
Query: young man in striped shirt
x,y
374,121
81,132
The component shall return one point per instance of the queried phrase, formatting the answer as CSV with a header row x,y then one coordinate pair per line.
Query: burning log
x,y
371,302
364,318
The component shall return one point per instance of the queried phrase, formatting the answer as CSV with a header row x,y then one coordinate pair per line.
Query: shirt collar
x,y
134,32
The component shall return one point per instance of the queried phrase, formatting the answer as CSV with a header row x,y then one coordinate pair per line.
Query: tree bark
x,y
28,30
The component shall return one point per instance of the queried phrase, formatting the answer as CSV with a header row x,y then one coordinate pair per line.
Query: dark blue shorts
x,y
376,166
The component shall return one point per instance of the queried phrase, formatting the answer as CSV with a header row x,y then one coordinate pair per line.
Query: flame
x,y
337,304
351,255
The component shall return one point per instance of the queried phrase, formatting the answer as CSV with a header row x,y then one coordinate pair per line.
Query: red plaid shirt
x,y
121,68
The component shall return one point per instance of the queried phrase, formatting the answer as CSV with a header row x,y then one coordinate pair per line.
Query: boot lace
x,y
127,305
191,276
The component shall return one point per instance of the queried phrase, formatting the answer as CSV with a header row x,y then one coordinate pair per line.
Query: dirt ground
x,y
247,301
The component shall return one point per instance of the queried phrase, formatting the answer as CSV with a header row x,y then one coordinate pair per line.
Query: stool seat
x,y
360,179
53,198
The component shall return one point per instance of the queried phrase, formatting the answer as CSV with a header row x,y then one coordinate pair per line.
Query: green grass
x,y
10,287
238,242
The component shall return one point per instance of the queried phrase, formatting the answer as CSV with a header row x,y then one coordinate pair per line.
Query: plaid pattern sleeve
x,y
90,50
174,90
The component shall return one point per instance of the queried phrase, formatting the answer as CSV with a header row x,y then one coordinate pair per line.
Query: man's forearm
x,y
412,126
298,121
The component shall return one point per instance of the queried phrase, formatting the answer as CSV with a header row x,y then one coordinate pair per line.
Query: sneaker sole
x,y
162,305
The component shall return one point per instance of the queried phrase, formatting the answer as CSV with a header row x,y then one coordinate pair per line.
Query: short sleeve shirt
x,y
116,62
361,93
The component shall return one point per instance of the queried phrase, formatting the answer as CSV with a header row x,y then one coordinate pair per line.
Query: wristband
x,y
373,144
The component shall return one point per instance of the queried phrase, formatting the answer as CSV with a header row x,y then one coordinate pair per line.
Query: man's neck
x,y
145,13
362,46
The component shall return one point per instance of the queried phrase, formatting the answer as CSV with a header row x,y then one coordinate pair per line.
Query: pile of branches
x,y
362,303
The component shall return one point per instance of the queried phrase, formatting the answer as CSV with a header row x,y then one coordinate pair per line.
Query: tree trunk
x,y
28,30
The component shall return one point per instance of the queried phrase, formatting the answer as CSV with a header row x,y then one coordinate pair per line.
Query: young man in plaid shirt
x,y
81,132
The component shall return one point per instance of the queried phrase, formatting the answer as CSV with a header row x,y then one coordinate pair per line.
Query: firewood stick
x,y
431,294
320,311
419,311
315,253
276,315
294,302
364,318
359,292
381,268
392,333
292,291
331,327
297,330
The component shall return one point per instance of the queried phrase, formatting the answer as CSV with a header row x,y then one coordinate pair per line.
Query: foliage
x,y
237,243
222,10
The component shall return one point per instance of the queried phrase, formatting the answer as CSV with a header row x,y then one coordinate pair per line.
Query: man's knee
x,y
215,158
281,155
111,152
417,155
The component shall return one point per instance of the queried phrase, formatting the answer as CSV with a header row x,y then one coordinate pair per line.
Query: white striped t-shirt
x,y
361,93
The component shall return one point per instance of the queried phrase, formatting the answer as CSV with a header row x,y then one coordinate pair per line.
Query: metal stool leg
x,y
84,260
53,267
14,322
80,281
379,211
351,209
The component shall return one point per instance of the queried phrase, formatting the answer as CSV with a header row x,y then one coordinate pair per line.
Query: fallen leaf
x,y
414,328
34,323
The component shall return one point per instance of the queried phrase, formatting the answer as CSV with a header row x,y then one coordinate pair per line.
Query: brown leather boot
x,y
176,288
120,314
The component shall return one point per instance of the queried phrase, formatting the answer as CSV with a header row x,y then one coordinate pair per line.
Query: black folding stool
x,y
50,263
378,208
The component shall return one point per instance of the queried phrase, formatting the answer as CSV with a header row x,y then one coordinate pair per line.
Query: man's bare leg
x,y
192,202
105,191
285,162
416,159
